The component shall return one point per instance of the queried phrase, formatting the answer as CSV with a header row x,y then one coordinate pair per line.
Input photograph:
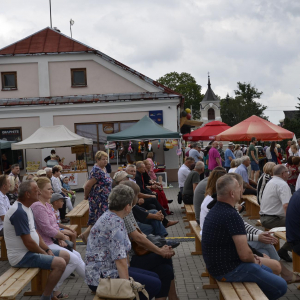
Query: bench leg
x,y
221,296
198,247
190,217
254,212
38,283
76,221
212,284
205,274
3,251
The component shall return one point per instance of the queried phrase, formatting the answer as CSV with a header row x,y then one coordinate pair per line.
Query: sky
x,y
253,41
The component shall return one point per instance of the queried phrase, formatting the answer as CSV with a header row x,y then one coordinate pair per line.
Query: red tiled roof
x,y
47,40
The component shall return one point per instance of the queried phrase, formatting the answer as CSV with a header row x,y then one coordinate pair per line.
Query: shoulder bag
x,y
117,288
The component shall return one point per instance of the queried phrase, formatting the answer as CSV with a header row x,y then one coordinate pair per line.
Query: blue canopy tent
x,y
4,145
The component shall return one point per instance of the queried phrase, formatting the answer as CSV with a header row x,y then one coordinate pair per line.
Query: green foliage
x,y
243,105
186,85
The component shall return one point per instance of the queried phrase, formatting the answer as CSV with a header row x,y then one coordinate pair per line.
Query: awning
x,y
257,127
52,137
207,133
145,129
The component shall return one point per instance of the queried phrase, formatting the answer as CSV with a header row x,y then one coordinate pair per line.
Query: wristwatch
x,y
47,250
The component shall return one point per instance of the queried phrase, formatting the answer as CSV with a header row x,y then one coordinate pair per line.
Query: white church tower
x,y
210,106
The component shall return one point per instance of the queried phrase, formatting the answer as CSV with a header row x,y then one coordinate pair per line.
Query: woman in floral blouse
x,y
97,190
108,246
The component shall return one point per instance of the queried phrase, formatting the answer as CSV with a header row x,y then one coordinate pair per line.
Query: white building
x,y
210,106
50,79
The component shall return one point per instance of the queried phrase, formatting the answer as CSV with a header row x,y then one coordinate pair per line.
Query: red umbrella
x,y
257,127
207,132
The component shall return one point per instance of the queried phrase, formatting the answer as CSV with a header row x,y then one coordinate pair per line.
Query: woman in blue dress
x,y
97,190
109,244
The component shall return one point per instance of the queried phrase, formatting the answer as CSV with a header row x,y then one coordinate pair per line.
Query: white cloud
x,y
254,41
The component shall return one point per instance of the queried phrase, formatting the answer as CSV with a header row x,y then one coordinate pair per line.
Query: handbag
x,y
70,245
118,288
139,250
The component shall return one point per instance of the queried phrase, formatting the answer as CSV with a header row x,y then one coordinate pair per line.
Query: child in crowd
x,y
56,205
71,193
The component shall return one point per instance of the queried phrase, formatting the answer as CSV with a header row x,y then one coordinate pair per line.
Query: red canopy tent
x,y
207,132
257,127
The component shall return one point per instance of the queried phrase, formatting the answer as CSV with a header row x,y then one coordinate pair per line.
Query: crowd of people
x,y
234,250
125,237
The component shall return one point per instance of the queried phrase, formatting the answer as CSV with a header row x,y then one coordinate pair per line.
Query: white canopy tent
x,y
52,137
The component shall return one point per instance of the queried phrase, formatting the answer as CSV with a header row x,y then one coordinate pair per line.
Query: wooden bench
x,y
79,215
240,290
252,207
14,280
190,215
196,230
3,249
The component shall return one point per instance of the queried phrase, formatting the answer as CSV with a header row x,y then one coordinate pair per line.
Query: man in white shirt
x,y
184,171
4,201
195,152
268,154
25,247
274,203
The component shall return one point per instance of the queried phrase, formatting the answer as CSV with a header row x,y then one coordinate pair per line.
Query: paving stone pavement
x,y
187,268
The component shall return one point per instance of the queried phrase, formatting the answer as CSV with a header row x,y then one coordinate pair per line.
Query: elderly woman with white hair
x,y
108,246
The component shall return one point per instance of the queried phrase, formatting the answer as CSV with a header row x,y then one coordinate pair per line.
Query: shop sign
x,y
10,134
79,149
157,116
108,128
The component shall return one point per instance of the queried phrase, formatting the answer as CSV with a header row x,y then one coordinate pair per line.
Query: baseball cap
x,y
56,196
119,176
40,172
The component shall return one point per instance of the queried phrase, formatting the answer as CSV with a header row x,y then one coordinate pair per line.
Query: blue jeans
x,y
265,248
153,226
37,260
254,166
272,285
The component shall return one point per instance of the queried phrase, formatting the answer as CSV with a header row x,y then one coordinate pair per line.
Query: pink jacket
x,y
45,221
151,172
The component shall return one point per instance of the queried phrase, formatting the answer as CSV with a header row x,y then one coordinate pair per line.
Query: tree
x,y
294,123
243,105
186,85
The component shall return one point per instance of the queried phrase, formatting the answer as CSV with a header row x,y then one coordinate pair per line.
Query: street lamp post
x,y
71,24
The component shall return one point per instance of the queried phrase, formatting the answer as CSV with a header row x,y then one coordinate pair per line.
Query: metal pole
x,y
50,14
87,167
117,158
1,161
71,29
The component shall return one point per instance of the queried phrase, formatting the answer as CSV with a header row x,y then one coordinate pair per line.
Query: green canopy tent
x,y
4,145
144,129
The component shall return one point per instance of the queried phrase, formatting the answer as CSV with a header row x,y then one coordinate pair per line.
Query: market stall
x,y
206,133
55,137
257,127
146,130
4,145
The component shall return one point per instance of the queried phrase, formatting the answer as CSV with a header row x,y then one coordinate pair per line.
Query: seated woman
x,y
264,179
47,227
108,246
234,164
158,260
156,187
293,172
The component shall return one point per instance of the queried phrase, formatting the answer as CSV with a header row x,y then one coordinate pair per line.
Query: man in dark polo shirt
x,y
292,222
225,249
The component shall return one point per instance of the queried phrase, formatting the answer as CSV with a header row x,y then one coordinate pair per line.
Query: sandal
x,y
294,278
84,239
62,296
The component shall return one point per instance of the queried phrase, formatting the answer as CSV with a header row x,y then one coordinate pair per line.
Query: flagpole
x,y
50,14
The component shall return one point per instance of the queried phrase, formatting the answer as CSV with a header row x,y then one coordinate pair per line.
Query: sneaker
x,y
173,244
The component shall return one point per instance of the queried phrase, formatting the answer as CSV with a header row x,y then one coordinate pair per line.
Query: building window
x,y
9,81
211,114
78,78
98,132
